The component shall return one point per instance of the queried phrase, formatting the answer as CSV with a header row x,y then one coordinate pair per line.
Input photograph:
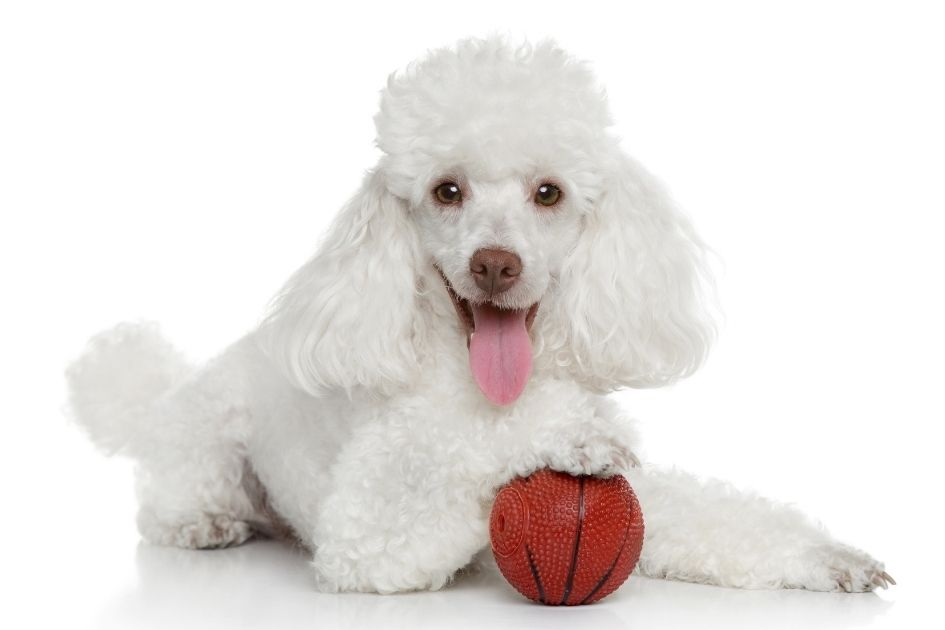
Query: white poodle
x,y
503,267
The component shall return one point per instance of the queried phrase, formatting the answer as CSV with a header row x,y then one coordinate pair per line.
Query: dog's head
x,y
556,249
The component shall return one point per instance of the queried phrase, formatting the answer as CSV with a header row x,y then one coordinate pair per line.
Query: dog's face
x,y
499,161
498,243
558,252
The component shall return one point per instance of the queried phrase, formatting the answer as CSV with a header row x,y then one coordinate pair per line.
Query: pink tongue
x,y
500,353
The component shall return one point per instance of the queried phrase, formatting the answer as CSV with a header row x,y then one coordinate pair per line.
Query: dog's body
x,y
502,269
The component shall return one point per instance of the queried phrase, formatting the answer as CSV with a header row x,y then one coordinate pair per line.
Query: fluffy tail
x,y
112,385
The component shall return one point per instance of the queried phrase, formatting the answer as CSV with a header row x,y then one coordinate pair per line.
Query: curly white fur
x,y
349,417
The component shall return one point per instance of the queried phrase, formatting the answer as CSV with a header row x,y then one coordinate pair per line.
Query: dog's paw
x,y
325,582
209,532
338,571
599,455
844,569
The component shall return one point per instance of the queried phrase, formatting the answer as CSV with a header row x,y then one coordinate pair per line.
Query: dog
x,y
503,267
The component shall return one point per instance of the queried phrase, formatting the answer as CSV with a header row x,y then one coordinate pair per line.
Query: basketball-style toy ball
x,y
565,540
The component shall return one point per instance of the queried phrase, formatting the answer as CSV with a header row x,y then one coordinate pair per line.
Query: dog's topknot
x,y
489,98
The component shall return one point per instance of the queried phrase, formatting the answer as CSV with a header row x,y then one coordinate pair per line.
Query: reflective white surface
x,y
266,584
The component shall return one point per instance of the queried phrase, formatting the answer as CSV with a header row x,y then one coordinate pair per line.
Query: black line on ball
x,y
577,543
531,565
613,566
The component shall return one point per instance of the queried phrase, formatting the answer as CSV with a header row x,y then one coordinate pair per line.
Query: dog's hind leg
x,y
184,428
195,498
710,532
196,488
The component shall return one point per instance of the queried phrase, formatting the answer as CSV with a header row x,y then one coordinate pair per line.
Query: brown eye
x,y
547,195
448,193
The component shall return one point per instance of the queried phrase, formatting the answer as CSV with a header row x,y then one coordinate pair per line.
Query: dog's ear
x,y
348,317
632,291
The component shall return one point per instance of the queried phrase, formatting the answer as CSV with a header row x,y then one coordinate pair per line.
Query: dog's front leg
x,y
405,511
707,531
580,435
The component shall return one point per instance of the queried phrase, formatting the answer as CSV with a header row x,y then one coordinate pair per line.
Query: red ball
x,y
560,539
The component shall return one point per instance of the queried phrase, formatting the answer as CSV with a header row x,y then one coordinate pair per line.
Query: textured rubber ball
x,y
566,540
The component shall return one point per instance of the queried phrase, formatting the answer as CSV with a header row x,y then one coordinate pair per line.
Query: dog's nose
x,y
495,270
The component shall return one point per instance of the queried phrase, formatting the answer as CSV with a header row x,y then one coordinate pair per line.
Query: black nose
x,y
495,270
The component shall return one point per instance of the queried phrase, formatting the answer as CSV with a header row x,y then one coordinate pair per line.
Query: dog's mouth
x,y
500,350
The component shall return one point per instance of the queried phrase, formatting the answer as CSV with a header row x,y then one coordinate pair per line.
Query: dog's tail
x,y
123,371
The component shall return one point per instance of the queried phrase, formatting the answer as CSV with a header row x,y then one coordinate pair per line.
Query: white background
x,y
176,160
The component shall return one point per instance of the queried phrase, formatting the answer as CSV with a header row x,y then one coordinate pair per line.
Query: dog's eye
x,y
547,195
448,193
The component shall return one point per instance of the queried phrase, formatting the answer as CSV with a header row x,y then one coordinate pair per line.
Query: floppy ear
x,y
348,317
631,290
